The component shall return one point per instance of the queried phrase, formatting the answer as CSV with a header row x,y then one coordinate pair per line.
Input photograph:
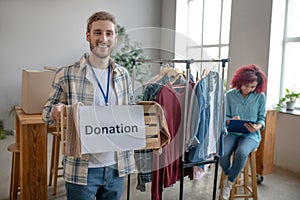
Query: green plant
x,y
129,51
2,131
12,110
290,96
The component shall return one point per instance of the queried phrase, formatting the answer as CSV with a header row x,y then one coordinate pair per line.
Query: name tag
x,y
111,128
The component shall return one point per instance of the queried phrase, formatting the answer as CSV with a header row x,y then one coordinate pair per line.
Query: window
x,y
206,25
284,49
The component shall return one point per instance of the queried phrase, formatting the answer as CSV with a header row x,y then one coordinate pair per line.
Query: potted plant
x,y
2,131
127,51
289,99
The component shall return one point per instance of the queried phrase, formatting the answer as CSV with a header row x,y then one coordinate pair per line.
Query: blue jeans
x,y
102,183
242,146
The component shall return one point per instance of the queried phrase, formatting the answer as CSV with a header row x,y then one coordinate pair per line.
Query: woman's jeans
x,y
104,183
242,146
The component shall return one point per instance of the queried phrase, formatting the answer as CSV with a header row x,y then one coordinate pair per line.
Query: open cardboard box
x,y
35,90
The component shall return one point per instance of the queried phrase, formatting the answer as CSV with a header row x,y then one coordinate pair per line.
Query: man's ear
x,y
87,36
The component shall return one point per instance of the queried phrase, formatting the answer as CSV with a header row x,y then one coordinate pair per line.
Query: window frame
x,y
285,41
191,45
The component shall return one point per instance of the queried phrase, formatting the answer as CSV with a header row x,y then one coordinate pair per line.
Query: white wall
x,y
249,34
287,143
249,43
168,14
41,33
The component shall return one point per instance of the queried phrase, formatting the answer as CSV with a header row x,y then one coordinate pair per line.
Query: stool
x,y
15,171
58,131
54,164
242,181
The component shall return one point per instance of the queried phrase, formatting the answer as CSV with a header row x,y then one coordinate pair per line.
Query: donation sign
x,y
111,128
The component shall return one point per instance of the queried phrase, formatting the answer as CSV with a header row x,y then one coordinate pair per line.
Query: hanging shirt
x,y
206,119
166,166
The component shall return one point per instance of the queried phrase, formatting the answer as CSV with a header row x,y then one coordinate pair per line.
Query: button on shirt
x,y
252,108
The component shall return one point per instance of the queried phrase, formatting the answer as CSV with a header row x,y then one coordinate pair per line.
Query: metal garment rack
x,y
183,164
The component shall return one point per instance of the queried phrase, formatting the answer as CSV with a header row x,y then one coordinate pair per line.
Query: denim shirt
x,y
252,108
206,121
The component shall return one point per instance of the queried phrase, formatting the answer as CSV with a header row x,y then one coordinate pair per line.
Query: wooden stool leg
x,y
221,184
246,178
242,181
14,184
56,163
53,175
221,180
11,177
253,175
51,161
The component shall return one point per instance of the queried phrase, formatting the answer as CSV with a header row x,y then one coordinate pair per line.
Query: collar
x,y
84,62
239,91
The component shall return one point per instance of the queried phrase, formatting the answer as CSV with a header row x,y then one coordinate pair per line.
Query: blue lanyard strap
x,y
107,86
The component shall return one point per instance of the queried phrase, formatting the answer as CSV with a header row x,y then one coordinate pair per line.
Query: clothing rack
x,y
183,163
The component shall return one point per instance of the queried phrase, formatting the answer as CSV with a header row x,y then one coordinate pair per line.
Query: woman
x,y
246,101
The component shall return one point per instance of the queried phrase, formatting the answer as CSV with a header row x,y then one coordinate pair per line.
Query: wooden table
x,y
265,152
31,134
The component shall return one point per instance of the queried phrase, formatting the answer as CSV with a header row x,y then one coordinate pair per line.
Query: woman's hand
x,y
234,117
252,127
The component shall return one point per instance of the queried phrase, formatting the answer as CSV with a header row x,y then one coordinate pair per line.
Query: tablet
x,y
238,126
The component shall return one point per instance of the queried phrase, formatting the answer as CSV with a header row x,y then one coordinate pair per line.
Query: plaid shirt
x,y
70,86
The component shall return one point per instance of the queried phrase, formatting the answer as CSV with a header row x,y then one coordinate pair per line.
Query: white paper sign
x,y
111,128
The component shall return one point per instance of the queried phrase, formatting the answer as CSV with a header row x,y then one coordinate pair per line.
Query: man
x,y
94,80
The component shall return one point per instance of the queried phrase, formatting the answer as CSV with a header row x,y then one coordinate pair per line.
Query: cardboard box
x,y
35,90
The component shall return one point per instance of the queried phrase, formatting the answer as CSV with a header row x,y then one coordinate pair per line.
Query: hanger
x,y
172,73
178,77
204,72
166,70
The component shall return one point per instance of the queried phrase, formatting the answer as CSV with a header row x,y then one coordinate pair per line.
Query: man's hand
x,y
55,113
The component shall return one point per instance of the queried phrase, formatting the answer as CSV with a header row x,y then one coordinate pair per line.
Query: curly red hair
x,y
249,74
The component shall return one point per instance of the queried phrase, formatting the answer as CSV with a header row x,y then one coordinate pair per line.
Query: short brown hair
x,y
102,15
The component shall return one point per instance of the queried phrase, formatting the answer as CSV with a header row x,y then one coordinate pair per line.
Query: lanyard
x,y
107,85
